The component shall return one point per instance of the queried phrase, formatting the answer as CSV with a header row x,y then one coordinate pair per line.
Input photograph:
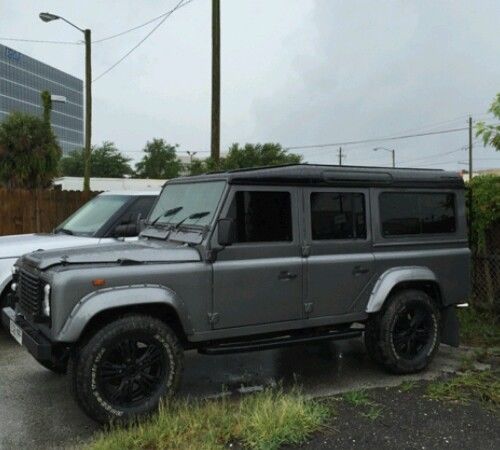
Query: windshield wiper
x,y
197,215
168,212
65,231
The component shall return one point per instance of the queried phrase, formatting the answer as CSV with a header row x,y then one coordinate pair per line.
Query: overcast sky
x,y
297,72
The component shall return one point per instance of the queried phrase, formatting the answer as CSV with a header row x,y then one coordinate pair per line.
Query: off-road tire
x,y
379,333
84,365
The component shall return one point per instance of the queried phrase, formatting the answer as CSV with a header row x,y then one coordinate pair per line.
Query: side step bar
x,y
268,344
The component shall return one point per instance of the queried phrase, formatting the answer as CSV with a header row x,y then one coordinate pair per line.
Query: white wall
x,y
109,184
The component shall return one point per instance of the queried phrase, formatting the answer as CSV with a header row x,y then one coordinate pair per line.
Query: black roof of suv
x,y
328,175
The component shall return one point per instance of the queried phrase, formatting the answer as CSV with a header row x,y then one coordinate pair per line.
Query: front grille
x,y
30,293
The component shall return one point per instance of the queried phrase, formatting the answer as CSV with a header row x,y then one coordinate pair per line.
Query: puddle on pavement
x,y
309,366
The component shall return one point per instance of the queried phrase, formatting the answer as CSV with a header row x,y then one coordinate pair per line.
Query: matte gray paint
x,y
241,283
391,278
123,296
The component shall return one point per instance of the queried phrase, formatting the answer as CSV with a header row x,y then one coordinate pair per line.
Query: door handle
x,y
286,275
360,270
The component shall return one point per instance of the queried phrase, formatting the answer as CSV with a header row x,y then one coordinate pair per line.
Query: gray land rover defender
x,y
250,260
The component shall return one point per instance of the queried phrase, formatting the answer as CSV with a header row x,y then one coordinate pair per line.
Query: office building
x,y
23,78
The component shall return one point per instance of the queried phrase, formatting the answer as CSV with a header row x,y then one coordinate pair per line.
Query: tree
x,y
47,106
29,152
160,161
105,161
251,155
486,214
256,155
491,132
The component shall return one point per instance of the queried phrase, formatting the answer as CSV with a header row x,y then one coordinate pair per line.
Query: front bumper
x,y
34,341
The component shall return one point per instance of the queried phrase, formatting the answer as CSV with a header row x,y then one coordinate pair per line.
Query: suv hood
x,y
19,244
119,253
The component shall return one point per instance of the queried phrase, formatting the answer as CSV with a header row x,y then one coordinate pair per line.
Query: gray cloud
x,y
293,71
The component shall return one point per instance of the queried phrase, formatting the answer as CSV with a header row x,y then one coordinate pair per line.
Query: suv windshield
x,y
180,201
93,215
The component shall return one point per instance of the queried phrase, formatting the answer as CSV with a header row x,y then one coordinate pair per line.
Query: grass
x,y
373,413
407,385
469,386
479,328
264,421
357,398
360,399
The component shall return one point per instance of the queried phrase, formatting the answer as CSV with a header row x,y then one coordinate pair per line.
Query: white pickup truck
x,y
105,218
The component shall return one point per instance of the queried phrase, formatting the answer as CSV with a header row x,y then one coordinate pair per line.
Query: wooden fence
x,y
37,211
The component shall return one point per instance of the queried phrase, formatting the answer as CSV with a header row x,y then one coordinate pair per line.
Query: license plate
x,y
16,332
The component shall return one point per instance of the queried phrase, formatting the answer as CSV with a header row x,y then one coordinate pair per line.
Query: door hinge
x,y
308,307
306,250
213,318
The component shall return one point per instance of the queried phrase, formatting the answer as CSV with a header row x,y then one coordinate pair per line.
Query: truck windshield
x,y
186,199
93,215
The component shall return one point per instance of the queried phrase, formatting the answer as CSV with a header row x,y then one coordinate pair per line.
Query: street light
x,y
191,156
393,151
49,17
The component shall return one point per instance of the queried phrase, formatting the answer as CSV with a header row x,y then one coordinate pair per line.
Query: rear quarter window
x,y
417,213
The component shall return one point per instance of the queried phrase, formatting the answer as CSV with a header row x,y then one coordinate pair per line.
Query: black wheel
x,y
405,335
126,368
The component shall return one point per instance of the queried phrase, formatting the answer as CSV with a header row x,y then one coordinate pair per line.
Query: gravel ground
x,y
408,420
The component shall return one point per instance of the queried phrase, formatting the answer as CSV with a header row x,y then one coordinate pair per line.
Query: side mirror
x,y
126,230
225,231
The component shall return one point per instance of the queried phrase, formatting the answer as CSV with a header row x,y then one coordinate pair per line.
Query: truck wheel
x,y
405,335
126,368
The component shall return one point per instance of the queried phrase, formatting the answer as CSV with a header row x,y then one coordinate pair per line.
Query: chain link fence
x,y
486,282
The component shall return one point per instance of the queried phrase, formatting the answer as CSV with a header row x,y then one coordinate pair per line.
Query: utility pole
x,y
470,181
393,153
49,17
340,156
215,144
88,112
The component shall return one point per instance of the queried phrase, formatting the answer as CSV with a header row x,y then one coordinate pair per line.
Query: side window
x,y
411,213
337,215
262,216
141,206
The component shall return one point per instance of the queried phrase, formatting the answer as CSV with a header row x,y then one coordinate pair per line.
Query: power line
x,y
107,38
434,156
39,41
167,15
366,141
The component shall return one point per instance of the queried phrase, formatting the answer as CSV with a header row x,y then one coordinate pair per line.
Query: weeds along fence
x,y
37,211
486,272
486,282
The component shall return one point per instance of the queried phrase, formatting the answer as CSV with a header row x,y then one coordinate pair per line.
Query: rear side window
x,y
262,216
411,213
337,215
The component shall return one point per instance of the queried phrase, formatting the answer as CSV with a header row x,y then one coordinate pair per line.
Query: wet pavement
x,y
37,410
